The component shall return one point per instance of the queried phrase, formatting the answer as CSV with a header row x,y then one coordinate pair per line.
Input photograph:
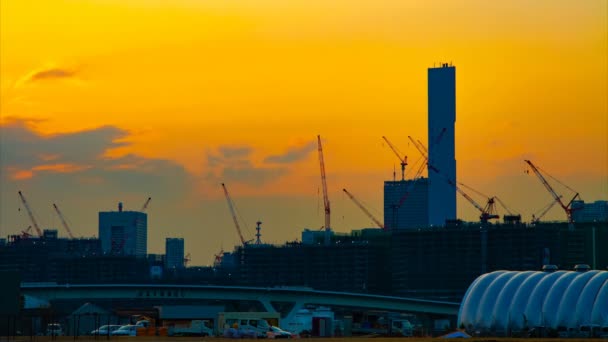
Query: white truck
x,y
310,322
196,328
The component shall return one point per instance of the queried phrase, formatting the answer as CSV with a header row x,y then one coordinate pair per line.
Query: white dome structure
x,y
504,301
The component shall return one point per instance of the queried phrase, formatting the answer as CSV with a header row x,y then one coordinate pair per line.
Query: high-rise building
x,y
441,140
123,232
174,253
589,212
413,211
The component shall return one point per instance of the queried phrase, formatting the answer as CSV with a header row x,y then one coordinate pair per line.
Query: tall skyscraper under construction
x,y
406,204
123,232
441,140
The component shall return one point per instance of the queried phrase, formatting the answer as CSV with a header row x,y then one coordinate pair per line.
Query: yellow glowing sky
x,y
186,77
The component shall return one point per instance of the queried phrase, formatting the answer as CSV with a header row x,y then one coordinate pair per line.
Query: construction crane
x,y
325,197
236,222
145,206
567,207
65,224
410,187
510,217
25,234
217,260
537,218
403,159
31,215
374,219
488,212
186,259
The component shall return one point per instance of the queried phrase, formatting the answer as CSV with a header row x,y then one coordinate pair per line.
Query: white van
x,y
246,327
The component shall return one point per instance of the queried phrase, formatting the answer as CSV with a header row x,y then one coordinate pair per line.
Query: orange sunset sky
x,y
104,101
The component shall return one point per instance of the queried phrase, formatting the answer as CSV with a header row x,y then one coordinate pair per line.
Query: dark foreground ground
x,y
336,339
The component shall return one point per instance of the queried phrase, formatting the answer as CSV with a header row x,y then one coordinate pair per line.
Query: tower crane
x,y
31,215
488,212
376,221
403,159
567,207
325,197
145,206
236,222
65,224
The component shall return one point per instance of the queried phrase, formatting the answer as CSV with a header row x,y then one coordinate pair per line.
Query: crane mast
x,y
324,183
31,215
567,208
376,221
65,224
403,159
231,207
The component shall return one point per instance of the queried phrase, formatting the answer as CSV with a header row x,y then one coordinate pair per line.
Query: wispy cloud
x,y
52,73
48,73
235,164
292,155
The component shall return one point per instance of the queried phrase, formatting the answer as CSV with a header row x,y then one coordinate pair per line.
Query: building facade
x,y
174,253
441,140
406,204
123,232
590,212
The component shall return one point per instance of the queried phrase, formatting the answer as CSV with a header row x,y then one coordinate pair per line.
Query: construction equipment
x,y
567,207
233,212
65,224
325,197
374,219
488,212
410,187
25,234
403,159
217,261
537,218
145,206
510,217
31,215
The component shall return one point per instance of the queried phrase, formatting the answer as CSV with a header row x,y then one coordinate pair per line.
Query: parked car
x,y
54,329
126,330
276,332
105,329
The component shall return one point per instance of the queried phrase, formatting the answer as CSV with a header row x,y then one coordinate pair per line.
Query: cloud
x,y
48,73
78,158
52,73
24,149
234,164
292,155
235,152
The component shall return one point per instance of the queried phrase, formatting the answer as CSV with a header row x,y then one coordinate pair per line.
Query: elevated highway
x,y
159,294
